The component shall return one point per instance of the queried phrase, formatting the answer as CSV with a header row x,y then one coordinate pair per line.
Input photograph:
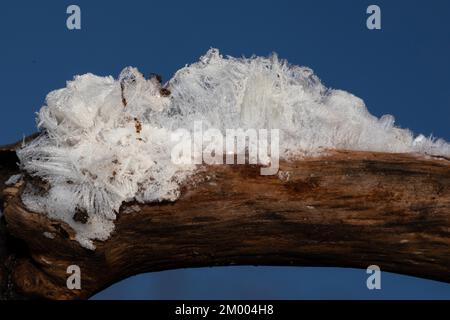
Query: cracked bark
x,y
343,209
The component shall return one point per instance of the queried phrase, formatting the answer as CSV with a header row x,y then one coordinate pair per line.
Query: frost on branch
x,y
107,141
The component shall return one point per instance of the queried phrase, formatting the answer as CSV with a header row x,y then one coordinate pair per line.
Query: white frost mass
x,y
95,153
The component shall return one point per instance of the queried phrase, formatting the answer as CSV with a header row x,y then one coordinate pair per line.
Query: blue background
x,y
402,69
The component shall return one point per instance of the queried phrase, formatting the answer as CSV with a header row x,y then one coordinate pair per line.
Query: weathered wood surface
x,y
343,209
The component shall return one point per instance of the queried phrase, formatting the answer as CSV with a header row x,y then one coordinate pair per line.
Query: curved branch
x,y
343,209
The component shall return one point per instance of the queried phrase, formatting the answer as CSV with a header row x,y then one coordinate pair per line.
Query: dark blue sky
x,y
403,69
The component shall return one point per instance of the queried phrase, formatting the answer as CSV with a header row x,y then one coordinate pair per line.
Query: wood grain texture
x,y
343,209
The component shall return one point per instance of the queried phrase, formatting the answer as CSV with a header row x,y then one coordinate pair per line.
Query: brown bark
x,y
343,209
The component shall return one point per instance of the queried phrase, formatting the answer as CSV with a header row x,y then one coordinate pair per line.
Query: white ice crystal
x,y
107,141
13,179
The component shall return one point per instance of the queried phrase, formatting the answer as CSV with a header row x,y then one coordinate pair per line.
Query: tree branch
x,y
343,209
